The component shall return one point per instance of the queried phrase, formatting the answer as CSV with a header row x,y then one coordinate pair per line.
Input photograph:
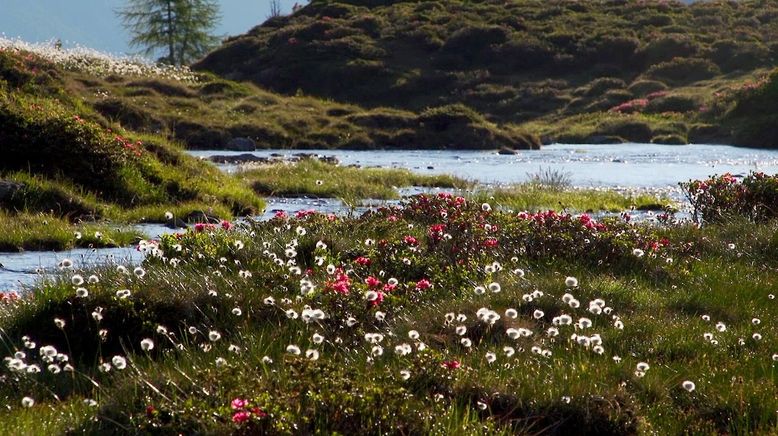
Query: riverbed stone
x,y
238,159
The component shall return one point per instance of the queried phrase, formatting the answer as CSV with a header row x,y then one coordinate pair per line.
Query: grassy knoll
x,y
443,317
63,159
543,65
311,177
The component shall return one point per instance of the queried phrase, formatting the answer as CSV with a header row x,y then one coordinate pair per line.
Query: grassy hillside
x,y
60,156
204,111
579,71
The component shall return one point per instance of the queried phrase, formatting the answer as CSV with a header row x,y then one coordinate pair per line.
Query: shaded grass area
x,y
181,385
311,177
49,232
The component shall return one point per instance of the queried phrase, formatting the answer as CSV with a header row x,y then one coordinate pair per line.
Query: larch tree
x,y
181,29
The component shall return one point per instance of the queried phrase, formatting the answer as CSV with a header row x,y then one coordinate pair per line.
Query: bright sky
x,y
94,24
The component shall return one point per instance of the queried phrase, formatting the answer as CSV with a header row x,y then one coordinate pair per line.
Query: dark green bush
x,y
738,55
668,48
598,86
641,88
673,103
683,70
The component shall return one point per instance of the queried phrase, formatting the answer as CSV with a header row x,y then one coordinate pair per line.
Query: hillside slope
x,y
529,61
61,156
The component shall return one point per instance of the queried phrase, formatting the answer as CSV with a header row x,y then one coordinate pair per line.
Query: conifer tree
x,y
181,29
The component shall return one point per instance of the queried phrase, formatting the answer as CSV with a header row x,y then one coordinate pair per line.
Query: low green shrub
x,y
721,198
683,70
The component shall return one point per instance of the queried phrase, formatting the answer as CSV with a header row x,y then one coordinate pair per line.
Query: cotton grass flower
x,y
312,354
511,313
688,385
119,362
571,282
293,349
147,344
28,402
77,280
495,287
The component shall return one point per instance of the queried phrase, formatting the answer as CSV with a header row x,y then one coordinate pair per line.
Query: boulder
x,y
241,144
8,189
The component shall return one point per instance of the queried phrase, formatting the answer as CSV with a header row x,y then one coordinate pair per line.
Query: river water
x,y
625,165
657,168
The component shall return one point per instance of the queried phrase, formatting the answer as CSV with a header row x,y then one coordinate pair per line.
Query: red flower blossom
x,y
423,284
364,261
451,364
241,416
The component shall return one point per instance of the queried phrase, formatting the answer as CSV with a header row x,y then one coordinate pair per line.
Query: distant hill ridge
x,y
531,62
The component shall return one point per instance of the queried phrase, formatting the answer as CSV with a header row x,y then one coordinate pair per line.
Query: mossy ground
x,y
223,317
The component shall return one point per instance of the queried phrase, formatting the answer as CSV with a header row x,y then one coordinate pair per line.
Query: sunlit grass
x,y
668,300
534,197
26,231
311,177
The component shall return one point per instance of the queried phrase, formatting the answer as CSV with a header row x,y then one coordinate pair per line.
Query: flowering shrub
x,y
721,197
